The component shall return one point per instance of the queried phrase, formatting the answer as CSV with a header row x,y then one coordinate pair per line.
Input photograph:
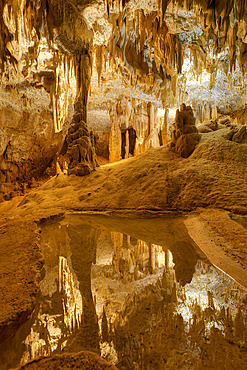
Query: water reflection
x,y
120,296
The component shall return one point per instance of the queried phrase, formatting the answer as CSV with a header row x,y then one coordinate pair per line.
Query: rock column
x,y
80,151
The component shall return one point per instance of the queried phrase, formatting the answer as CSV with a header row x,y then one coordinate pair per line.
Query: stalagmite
x,y
185,136
115,135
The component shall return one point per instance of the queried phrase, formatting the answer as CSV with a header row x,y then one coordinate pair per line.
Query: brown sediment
x,y
20,266
82,360
222,240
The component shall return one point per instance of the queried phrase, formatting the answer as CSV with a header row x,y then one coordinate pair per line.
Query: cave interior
x,y
134,108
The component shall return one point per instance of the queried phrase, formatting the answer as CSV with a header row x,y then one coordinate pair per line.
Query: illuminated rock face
x,y
50,52
148,55
28,141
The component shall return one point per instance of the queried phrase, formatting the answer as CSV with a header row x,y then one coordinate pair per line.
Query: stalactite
x,y
143,49
108,7
136,37
99,61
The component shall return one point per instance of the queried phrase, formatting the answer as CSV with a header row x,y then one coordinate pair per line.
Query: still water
x,y
136,291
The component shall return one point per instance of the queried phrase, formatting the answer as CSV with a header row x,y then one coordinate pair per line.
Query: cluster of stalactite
x,y
144,50
69,40
142,44
224,26
135,128
140,40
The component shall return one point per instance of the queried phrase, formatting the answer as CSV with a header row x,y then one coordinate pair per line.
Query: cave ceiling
x,y
156,50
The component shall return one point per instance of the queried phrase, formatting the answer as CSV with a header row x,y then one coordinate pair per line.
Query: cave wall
x,y
143,46
28,141
125,119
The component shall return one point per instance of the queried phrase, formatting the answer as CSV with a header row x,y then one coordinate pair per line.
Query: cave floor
x,y
208,190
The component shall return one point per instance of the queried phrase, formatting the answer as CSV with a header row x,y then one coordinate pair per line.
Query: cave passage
x,y
128,142
119,288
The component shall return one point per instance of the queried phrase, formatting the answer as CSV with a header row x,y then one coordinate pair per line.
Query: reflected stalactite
x,y
83,249
72,300
120,296
200,331
65,318
60,314
133,260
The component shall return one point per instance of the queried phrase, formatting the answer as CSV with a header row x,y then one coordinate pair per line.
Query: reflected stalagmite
x,y
135,110
118,296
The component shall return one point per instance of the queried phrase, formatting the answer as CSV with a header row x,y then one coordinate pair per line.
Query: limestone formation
x,y
80,151
237,133
87,82
49,49
240,134
185,135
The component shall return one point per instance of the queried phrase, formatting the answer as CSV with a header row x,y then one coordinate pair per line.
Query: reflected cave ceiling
x,y
155,50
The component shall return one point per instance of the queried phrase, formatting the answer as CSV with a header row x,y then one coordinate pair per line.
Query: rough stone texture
x,y
20,266
32,133
156,179
239,135
186,144
28,140
214,176
184,136
80,151
82,360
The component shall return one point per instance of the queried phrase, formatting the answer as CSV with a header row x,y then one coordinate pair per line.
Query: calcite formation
x,y
185,135
149,57
80,151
